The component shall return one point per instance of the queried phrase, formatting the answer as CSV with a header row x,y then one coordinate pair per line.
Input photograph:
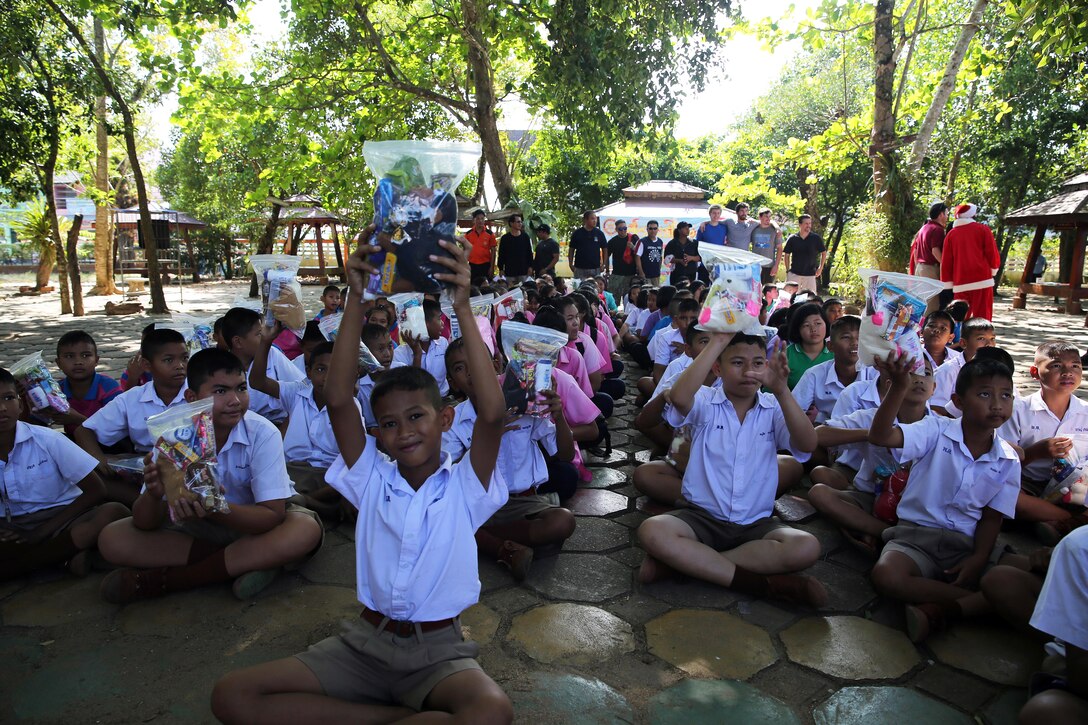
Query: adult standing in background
x,y
970,261
805,255
515,251
767,242
648,255
715,230
588,248
547,252
481,260
739,230
928,247
685,254
621,255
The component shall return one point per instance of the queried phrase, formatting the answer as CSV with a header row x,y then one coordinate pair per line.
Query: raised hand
x,y
776,373
896,367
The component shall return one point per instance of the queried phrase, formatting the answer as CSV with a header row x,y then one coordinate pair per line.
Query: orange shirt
x,y
482,245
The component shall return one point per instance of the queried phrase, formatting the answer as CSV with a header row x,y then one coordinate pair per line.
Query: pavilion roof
x,y
1068,208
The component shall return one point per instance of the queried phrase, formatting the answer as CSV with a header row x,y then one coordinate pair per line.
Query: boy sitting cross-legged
x,y
87,391
416,559
529,518
963,480
726,533
187,547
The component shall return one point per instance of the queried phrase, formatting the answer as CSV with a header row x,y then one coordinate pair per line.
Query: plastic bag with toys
x,y
410,317
1069,474
894,306
532,352
281,293
508,305
736,293
37,382
184,453
196,331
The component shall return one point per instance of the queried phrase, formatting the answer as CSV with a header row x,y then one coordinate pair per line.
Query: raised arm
x,y
775,377
883,431
688,384
258,372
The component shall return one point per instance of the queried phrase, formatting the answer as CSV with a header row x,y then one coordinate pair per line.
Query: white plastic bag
x,y
196,331
508,305
410,318
532,352
278,276
736,291
330,325
415,205
41,389
1069,474
185,444
894,306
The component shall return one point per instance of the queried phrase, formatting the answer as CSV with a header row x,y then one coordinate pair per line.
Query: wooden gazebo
x,y
165,222
302,212
1068,211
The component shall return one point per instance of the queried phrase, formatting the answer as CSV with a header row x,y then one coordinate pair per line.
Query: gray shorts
x,y
863,499
723,535
933,550
306,478
584,273
362,665
1032,488
29,522
518,508
223,536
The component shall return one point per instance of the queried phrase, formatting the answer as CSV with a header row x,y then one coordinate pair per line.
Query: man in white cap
x,y
969,262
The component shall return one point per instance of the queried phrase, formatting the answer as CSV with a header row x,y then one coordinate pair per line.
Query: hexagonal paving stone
x,y
999,655
179,612
710,644
850,648
58,602
304,603
597,535
884,706
579,577
571,634
617,456
480,623
709,701
569,698
606,477
647,505
595,502
689,592
847,590
1005,710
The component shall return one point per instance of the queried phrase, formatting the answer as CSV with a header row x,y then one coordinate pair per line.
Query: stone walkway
x,y
580,641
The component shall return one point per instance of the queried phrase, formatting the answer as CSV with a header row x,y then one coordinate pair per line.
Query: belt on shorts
x,y
531,491
402,629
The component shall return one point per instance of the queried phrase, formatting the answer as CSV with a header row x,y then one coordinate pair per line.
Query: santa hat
x,y
966,211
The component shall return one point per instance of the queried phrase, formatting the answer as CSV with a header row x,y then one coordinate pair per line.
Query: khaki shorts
x,y
518,508
933,550
31,521
223,536
306,478
845,470
723,535
362,665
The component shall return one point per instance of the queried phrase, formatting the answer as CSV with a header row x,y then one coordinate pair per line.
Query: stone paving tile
x,y
847,589
850,648
597,535
953,686
764,614
617,456
687,592
336,565
606,478
884,705
650,507
632,519
61,602
595,502
630,556
480,622
637,608
1005,709
511,600
794,684
580,577
571,634
715,701
184,612
1000,655
562,699
710,644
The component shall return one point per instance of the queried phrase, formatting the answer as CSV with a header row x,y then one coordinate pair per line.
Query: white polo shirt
x,y
733,467
433,360
945,378
949,355
1032,421
948,488
282,370
251,465
878,462
300,363
664,352
672,372
415,551
858,395
309,437
820,386
42,470
1060,608
126,416
521,462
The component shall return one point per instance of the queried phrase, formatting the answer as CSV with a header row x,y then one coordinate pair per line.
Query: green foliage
x,y
32,228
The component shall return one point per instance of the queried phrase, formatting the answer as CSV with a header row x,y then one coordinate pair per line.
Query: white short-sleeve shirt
x,y
42,470
1032,421
945,379
521,463
948,487
126,416
949,355
733,467
433,360
672,372
1060,608
309,437
858,395
415,551
877,462
820,386
665,353
282,370
251,465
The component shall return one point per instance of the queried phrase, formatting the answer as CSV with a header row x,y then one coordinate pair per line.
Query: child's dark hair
x,y
643,299
457,345
156,340
687,304
980,369
76,337
372,331
665,293
831,301
976,324
799,315
323,348
147,329
531,295
408,380
958,309
207,363
584,310
549,317
546,291
846,323
996,353
529,284
238,322
692,332
313,332
6,378
1053,349
743,338
330,288
942,315
779,318
431,309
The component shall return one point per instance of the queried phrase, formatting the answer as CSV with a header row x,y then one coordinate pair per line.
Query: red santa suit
x,y
970,262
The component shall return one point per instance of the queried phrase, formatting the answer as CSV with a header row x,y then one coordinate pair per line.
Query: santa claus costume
x,y
970,262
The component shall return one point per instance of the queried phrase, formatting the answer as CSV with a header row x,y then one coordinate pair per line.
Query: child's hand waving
x,y
776,374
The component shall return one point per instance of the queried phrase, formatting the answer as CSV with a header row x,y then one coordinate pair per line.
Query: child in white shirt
x,y
977,333
242,331
668,344
429,354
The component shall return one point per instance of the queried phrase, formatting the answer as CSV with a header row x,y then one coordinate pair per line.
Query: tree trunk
x,y
945,87
882,141
481,172
103,253
810,192
484,109
73,266
265,245
54,233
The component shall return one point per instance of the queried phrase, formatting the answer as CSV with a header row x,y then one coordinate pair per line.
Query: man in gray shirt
x,y
739,232
767,241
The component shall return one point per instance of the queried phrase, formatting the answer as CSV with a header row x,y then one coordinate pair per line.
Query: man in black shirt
x,y
515,251
805,255
685,255
648,255
547,252
588,248
621,253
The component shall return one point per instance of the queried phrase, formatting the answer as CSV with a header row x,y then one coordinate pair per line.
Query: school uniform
x,y
595,362
126,416
945,381
664,351
1059,611
732,471
1031,422
947,492
820,386
572,363
950,354
300,363
364,388
42,472
282,370
433,360
858,395
309,444
416,562
603,345
672,371
103,389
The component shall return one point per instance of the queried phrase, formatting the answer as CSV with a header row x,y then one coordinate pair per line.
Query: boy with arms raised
x,y
243,333
416,560
726,533
430,353
179,547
